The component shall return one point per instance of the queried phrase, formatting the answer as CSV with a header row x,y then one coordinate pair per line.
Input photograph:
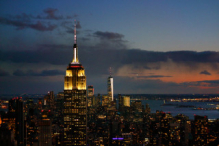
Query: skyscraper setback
x,y
75,111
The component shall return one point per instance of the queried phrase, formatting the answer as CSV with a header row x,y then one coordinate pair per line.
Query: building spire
x,y
75,47
75,37
110,71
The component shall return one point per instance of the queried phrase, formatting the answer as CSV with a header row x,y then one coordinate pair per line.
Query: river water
x,y
188,111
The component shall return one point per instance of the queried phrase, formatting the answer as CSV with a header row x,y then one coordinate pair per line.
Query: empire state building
x,y
75,101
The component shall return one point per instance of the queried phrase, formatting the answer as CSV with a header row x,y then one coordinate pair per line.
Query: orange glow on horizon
x,y
172,72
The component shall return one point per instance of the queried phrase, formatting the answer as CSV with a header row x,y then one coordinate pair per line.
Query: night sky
x,y
152,46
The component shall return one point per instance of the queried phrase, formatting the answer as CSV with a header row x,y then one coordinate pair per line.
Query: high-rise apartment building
x,y
200,130
75,108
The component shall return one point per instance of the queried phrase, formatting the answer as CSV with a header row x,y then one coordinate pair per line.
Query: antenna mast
x,y
75,37
110,71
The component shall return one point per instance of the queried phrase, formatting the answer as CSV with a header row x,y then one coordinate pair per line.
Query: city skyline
x,y
152,47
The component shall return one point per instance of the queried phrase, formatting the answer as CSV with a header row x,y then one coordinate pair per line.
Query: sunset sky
x,y
157,47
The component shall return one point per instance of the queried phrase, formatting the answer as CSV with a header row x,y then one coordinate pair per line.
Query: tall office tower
x,y
45,129
110,87
45,132
90,96
75,108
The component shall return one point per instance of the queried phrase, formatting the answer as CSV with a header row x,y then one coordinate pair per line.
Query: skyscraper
x,y
90,91
90,96
19,114
75,119
200,130
110,87
45,130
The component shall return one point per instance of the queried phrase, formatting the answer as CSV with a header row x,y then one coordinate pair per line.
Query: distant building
x,y
49,101
124,101
147,109
110,88
75,104
105,100
136,106
90,96
90,91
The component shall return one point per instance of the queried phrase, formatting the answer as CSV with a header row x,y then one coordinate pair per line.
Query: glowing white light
x,y
111,82
74,54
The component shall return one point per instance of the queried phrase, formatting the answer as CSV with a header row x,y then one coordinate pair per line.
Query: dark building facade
x,y
19,114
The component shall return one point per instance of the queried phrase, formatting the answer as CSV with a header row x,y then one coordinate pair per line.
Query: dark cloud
x,y
51,14
78,25
42,73
130,85
22,17
19,73
19,24
211,81
102,58
152,76
146,67
108,35
24,20
193,56
70,31
4,73
41,55
85,39
52,73
205,84
71,17
205,72
41,27
69,26
98,60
